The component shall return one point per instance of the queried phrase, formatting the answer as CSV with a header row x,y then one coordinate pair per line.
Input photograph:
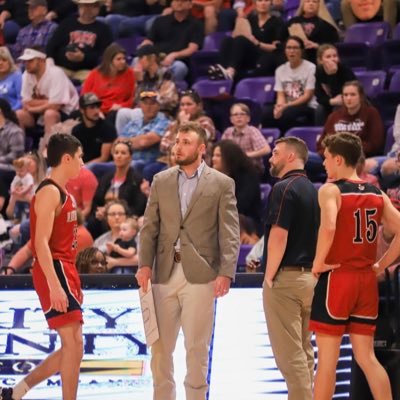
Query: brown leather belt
x,y
294,268
177,257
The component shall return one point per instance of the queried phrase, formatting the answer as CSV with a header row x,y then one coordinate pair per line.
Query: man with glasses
x,y
178,35
248,137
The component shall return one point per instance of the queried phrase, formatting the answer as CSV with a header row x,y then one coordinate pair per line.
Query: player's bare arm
x,y
391,222
47,206
329,202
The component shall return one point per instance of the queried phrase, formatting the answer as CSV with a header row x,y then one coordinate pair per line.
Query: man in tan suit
x,y
188,247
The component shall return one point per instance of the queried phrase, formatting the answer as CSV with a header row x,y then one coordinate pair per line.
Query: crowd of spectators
x,y
63,68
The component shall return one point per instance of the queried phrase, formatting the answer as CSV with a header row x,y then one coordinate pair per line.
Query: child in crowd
x,y
125,245
22,187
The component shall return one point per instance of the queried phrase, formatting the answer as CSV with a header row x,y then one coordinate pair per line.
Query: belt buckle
x,y
177,257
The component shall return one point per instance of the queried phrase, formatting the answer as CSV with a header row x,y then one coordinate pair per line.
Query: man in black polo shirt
x,y
95,134
290,242
178,35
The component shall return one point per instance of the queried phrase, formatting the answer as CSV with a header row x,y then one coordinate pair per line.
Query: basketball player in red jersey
x,y
56,280
346,295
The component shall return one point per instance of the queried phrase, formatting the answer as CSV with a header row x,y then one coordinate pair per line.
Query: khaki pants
x,y
180,303
287,308
79,75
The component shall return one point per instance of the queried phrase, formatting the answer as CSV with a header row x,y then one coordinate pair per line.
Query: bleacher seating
x,y
310,134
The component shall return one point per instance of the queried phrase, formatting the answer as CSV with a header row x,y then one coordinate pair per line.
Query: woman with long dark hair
x,y
112,81
230,159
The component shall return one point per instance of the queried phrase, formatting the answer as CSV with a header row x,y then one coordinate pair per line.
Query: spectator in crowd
x,y
354,11
129,17
91,261
4,196
190,109
294,84
78,43
152,75
259,46
59,10
83,189
248,137
388,164
113,81
22,187
314,25
18,12
12,141
123,184
330,77
145,131
10,79
248,231
125,245
95,133
363,173
38,32
207,11
356,116
178,35
115,213
48,96
230,159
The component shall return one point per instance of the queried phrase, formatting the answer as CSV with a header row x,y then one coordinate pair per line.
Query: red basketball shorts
x,y
345,301
70,282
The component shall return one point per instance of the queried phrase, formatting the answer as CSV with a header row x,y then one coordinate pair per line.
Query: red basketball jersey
x,y
358,220
62,241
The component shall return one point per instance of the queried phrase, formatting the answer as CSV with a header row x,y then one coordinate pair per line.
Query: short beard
x,y
275,170
187,160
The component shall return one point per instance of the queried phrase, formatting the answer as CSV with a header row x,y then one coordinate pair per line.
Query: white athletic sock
x,y
20,390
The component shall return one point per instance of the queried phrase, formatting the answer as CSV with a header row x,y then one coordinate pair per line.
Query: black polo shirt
x,y
293,205
169,35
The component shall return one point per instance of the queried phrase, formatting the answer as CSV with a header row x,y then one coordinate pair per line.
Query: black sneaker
x,y
6,393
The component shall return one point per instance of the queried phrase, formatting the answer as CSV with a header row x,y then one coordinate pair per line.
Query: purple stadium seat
x,y
271,134
199,63
386,103
265,190
309,134
396,32
260,89
372,81
210,89
394,85
181,85
244,250
389,141
212,42
370,33
360,45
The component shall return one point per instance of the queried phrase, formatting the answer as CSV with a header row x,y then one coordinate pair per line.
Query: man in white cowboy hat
x,y
78,43
47,94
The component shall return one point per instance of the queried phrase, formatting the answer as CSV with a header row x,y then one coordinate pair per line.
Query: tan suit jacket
x,y
208,232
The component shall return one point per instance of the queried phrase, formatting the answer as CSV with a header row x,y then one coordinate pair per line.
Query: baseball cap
x,y
36,3
89,99
30,54
146,50
149,94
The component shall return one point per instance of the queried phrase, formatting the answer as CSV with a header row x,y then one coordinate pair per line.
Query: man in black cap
x,y
95,133
38,32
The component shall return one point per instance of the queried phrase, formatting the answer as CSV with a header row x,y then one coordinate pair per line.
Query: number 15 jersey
x,y
355,242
